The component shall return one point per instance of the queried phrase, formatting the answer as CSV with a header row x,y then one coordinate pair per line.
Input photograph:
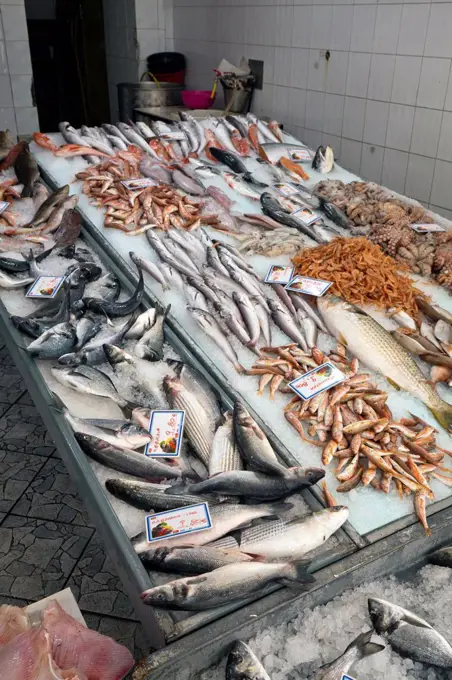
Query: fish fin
x,y
279,508
364,646
177,488
393,383
58,404
444,416
342,340
297,574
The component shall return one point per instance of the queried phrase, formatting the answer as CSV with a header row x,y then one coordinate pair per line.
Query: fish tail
x,y
58,404
364,646
297,574
444,416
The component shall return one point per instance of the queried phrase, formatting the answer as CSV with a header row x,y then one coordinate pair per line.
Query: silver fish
x,y
197,128
144,130
188,242
134,138
195,298
149,168
264,322
301,303
263,129
408,634
211,328
226,584
442,557
71,135
89,380
114,130
188,184
285,322
150,268
308,327
125,460
243,664
181,255
150,346
150,497
224,454
173,277
198,385
144,322
213,261
53,342
85,330
250,317
360,648
253,445
234,326
11,282
190,560
165,255
117,143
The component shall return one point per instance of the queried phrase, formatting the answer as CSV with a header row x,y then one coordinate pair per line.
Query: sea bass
x,y
253,444
372,344
191,560
243,664
150,497
359,649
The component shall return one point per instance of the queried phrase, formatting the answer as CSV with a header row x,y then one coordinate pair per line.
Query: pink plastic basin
x,y
197,99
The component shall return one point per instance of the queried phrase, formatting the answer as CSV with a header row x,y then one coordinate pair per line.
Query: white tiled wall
x,y
17,112
383,99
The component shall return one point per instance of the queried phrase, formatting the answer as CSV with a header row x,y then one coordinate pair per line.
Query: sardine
x,y
360,648
125,460
226,584
372,344
243,664
253,444
53,342
118,308
211,328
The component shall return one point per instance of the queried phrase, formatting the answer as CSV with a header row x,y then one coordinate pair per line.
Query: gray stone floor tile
x,y
128,633
36,557
95,584
52,496
17,470
26,400
12,385
22,429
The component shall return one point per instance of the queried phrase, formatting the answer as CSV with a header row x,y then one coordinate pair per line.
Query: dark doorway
x,y
67,48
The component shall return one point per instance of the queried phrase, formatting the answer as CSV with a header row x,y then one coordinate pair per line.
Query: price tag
x,y
427,228
278,273
45,287
166,429
3,206
300,155
139,183
304,284
286,189
306,215
178,522
318,380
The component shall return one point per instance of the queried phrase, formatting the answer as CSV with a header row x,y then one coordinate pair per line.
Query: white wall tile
x,y
317,71
14,22
27,120
419,177
441,211
21,87
333,114
351,155
148,41
400,126
284,25
299,68
337,73
363,27
297,107
413,29
358,74
313,138
3,59
8,121
6,97
354,112
433,82
371,162
342,21
283,64
302,22
406,80
394,169
438,42
147,15
381,77
376,122
335,143
321,26
387,29
442,181
281,103
445,138
426,129
315,102
265,53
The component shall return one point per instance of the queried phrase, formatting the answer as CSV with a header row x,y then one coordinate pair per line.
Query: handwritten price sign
x,y
178,522
166,429
318,380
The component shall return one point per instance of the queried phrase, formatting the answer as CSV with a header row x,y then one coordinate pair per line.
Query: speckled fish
x,y
125,460
53,342
372,344
185,560
408,634
359,649
253,445
257,485
243,664
69,229
226,584
150,497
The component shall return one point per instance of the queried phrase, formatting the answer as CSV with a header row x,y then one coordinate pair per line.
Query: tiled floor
x,y
47,541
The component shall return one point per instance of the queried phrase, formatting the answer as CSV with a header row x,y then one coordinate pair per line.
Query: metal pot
x,y
145,95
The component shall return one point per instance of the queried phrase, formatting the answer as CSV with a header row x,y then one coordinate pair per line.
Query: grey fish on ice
x,y
144,322
408,634
89,380
147,496
249,314
442,557
243,664
360,648
185,560
211,328
198,385
118,308
286,323
11,283
253,444
85,330
224,453
45,210
53,342
150,345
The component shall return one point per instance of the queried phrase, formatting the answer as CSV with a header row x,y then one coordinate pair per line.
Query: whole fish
x,y
264,322
225,518
53,342
89,380
372,344
249,314
85,330
150,497
149,168
69,228
408,634
125,460
180,255
117,143
248,284
214,261
143,323
239,123
229,583
11,283
150,345
235,183
150,268
93,352
196,126
323,160
35,327
442,557
284,296
286,323
231,259
253,445
190,560
308,327
224,453
262,127
199,423
257,485
118,308
134,138
334,213
115,131
189,242
211,328
198,385
45,210
243,664
233,325
279,540
188,184
360,648
229,158
71,135
109,287
302,304
166,256
195,298
273,209
26,169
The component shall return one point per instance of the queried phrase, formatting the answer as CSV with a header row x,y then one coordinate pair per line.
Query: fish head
x,y
115,355
243,663
385,616
334,517
171,385
142,417
311,475
161,596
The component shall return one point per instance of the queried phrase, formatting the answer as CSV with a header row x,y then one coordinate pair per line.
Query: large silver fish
x,y
360,648
249,314
408,634
89,380
224,454
211,327
286,323
190,560
253,444
143,323
243,664
150,497
150,345
54,342
372,344
226,584
150,268
11,282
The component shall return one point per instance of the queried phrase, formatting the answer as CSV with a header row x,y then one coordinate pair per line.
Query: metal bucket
x,y
237,101
145,95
